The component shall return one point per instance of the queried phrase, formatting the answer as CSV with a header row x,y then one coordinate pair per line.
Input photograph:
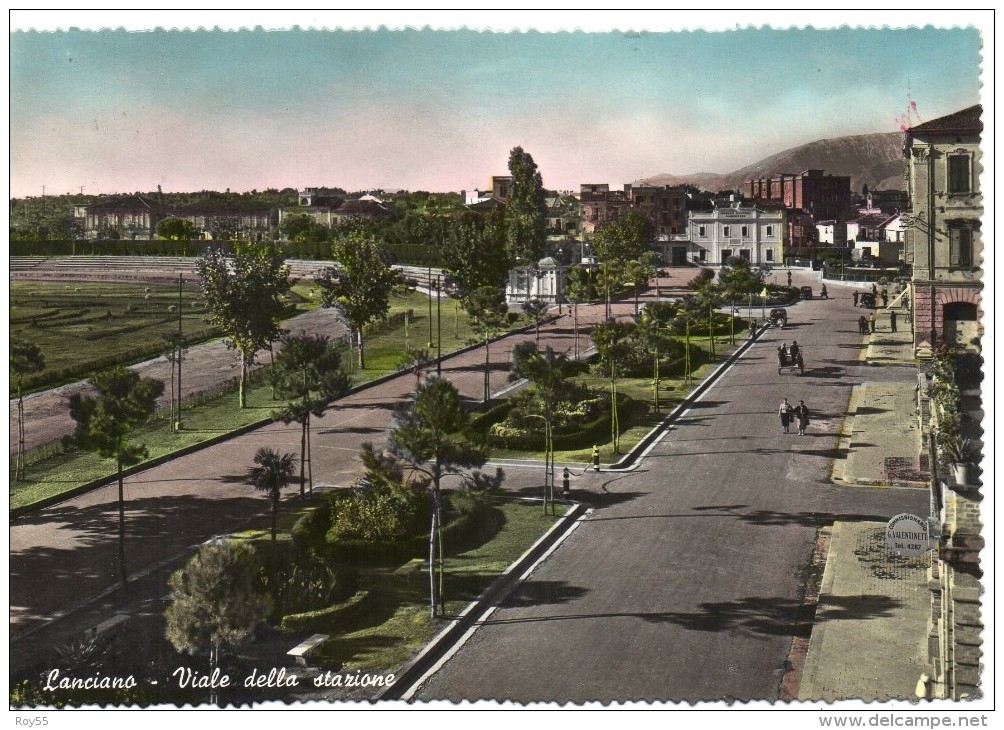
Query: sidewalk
x,y
869,637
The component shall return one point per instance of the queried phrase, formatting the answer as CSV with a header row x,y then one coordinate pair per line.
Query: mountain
x,y
875,160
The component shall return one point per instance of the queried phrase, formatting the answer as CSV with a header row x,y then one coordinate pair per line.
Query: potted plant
x,y
958,453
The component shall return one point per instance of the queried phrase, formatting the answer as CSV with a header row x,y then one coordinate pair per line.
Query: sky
x,y
632,95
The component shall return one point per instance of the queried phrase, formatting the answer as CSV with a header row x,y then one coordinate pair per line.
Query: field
x,y
84,327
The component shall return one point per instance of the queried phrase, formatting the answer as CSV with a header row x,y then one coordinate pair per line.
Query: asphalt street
x,y
686,581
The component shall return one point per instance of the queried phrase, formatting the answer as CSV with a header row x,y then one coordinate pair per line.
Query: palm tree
x,y
270,474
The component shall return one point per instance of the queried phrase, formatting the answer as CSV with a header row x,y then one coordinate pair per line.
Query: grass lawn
x,y
672,390
451,330
87,326
398,622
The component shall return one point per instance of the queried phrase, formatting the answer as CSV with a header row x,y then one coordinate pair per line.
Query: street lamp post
x,y
548,461
428,282
439,327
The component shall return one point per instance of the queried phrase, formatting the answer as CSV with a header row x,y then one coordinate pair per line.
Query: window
x,y
746,231
701,231
959,177
640,199
770,254
665,203
726,231
770,231
702,255
960,247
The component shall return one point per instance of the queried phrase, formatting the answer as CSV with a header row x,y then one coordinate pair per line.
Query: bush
x,y
329,619
310,531
297,583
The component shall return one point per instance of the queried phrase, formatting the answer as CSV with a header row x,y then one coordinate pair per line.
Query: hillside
x,y
875,160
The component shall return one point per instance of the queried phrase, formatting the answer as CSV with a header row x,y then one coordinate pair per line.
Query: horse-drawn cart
x,y
790,363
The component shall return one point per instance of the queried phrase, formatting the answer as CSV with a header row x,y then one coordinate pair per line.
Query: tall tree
x,y
244,293
474,252
535,309
623,240
308,375
430,435
270,473
526,210
215,600
487,308
612,345
638,272
25,358
361,286
105,424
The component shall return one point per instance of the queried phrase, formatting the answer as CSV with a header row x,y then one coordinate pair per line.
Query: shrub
x,y
310,530
301,582
374,517
330,619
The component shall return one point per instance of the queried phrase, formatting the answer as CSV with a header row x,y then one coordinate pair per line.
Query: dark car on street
x,y
805,292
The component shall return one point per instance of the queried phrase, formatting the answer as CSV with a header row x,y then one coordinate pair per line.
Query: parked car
x,y
805,292
867,300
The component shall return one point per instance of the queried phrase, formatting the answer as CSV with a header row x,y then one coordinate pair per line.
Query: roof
x,y
125,202
966,121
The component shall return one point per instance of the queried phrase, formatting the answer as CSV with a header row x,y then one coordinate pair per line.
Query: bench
x,y
115,622
301,651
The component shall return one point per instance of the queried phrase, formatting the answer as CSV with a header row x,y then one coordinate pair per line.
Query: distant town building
x,y
136,217
822,196
943,239
547,280
746,232
664,206
601,205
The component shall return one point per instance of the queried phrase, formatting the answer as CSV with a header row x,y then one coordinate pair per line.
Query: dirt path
x,y
205,367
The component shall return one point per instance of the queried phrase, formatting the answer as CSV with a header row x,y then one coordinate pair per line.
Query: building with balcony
x,y
943,240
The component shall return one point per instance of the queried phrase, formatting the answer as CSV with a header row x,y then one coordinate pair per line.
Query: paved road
x,y
72,546
686,582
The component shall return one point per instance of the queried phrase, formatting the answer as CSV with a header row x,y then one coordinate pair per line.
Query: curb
x,y
18,512
416,668
628,461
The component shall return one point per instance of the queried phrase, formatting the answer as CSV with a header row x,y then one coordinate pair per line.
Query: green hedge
x,y
323,619
593,432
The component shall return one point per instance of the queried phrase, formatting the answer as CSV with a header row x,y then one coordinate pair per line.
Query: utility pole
x,y
439,328
181,344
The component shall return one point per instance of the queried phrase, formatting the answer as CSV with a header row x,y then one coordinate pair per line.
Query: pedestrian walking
x,y
874,290
802,417
789,278
885,297
871,321
784,412
892,320
856,295
862,325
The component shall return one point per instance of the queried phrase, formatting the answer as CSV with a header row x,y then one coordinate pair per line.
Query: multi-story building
x,y
127,217
822,196
747,232
943,241
136,217
664,206
601,205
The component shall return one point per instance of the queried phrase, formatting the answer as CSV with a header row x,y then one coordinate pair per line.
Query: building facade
x,y
943,239
746,232
822,196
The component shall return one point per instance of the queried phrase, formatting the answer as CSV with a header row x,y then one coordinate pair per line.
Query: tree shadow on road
x,y
543,592
771,616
